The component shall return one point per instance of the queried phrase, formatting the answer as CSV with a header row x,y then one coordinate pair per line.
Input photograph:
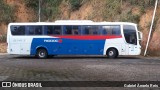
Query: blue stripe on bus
x,y
58,46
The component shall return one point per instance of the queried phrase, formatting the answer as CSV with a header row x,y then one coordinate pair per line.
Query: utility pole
x,y
149,36
121,3
39,11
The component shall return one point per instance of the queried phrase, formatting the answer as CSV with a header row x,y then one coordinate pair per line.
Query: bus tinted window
x,y
91,30
18,30
87,30
34,30
49,30
57,30
67,30
53,30
96,30
106,30
76,30
71,30
116,30
38,30
111,30
31,30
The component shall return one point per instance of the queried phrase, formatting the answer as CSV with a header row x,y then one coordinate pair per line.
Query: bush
x,y
32,4
75,4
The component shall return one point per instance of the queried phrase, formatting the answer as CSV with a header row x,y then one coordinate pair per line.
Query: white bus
x,y
74,37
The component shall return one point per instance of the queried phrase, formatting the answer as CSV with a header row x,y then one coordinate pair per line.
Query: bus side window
x,y
75,30
18,30
57,30
67,30
31,30
49,30
21,30
96,30
87,30
116,30
38,30
106,30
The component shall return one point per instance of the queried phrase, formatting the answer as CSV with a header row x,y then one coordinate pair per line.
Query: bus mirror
x,y
140,35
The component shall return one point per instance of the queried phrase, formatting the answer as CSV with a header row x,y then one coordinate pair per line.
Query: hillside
x,y
137,11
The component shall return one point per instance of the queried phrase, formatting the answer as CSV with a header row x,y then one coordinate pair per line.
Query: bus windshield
x,y
130,34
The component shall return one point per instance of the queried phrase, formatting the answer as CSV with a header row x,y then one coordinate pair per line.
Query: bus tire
x,y
112,53
42,53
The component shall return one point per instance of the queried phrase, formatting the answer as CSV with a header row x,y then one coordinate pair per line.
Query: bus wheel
x,y
42,53
112,53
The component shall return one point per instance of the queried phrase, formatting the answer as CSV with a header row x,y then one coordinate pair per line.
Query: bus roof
x,y
73,22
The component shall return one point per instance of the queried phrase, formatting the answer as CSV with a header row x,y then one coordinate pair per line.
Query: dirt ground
x,y
3,47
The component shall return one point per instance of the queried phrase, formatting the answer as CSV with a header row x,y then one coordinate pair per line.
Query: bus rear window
x,y
17,30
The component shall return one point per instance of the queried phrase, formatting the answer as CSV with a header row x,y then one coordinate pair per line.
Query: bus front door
x,y
131,49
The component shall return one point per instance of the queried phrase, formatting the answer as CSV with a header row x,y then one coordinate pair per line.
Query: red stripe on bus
x,y
90,37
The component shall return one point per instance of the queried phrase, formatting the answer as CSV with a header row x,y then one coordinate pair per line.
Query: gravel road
x,y
79,68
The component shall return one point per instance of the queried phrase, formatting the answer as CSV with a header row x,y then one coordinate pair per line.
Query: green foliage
x,y
6,13
32,4
75,4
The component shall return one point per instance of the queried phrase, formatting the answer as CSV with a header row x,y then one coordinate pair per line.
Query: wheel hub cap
x,y
41,54
111,53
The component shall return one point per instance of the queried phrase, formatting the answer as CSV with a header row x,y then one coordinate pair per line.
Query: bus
x,y
74,37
